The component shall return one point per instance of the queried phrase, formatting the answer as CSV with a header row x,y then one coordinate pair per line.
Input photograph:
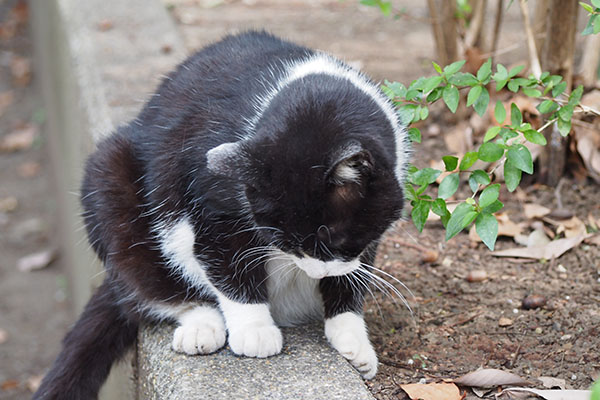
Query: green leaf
x,y
575,96
490,152
499,112
492,208
516,118
513,86
448,186
453,68
596,25
450,95
468,159
512,176
412,94
474,94
558,89
486,226
547,106
489,195
520,157
393,89
425,176
462,216
587,7
450,162
437,67
507,133
482,102
566,113
501,74
589,27
414,135
532,92
485,71
406,113
596,3
564,127
435,94
424,113
595,395
431,83
534,137
491,133
419,213
515,70
478,177
463,79
439,208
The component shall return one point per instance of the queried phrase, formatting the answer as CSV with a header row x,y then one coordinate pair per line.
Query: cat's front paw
x,y
256,341
202,331
348,335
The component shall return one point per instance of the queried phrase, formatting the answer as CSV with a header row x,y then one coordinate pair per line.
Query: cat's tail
x,y
99,338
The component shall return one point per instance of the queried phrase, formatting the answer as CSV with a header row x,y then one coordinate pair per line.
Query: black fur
x,y
278,186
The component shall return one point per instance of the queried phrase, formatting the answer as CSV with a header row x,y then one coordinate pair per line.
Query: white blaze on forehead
x,y
318,269
323,64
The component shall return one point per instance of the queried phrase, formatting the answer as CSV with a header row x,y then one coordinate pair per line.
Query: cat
x,y
250,193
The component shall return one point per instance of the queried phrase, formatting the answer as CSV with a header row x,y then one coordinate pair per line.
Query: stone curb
x,y
98,60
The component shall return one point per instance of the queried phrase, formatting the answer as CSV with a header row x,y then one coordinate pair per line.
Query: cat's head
x,y
320,181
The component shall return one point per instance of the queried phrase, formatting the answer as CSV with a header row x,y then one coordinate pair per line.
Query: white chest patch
x,y
294,297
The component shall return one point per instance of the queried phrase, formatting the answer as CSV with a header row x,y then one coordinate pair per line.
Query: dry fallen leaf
x,y
9,384
432,391
490,378
36,261
509,393
34,382
535,210
554,249
503,322
571,227
593,240
8,204
550,382
20,139
589,152
506,227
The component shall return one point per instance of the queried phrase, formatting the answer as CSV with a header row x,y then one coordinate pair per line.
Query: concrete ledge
x,y
307,368
97,61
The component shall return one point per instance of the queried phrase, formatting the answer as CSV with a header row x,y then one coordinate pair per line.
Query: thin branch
x,y
534,59
497,23
474,30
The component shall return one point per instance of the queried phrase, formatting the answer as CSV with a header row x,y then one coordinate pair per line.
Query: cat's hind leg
x,y
201,330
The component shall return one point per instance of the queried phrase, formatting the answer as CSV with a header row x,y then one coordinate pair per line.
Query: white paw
x,y
348,335
202,331
256,341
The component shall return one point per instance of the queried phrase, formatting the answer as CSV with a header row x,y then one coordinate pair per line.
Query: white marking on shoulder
x,y
322,63
294,297
177,245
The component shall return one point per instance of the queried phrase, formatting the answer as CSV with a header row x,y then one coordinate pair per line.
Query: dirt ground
x,y
27,210
454,327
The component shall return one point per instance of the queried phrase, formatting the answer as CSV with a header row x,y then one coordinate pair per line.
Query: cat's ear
x,y
351,164
228,159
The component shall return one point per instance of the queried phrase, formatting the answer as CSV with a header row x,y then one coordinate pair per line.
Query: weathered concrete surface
x,y
307,368
98,61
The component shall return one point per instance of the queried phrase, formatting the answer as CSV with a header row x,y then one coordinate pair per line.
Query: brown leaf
x,y
432,391
20,139
8,204
459,139
34,382
9,384
535,210
20,67
36,261
593,240
506,227
515,393
490,378
504,322
29,169
6,99
554,249
550,382
572,227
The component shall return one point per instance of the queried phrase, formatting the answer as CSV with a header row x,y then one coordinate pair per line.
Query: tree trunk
x,y
557,58
540,18
590,60
443,16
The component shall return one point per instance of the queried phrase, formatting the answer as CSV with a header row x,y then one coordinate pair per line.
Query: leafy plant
x,y
503,144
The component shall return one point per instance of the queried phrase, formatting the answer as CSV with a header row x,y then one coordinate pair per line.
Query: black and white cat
x,y
249,193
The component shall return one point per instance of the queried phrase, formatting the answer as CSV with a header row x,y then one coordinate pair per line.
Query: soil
x,y
34,308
